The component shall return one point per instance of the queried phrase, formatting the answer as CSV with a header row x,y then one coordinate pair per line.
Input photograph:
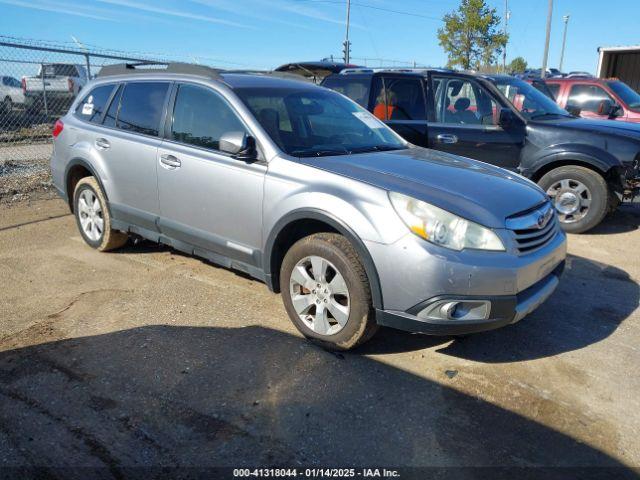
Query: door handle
x,y
102,143
447,138
170,162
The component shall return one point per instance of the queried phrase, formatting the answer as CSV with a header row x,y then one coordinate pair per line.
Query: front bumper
x,y
630,179
415,274
505,310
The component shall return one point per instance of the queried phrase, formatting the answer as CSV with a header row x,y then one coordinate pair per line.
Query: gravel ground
x,y
24,172
145,357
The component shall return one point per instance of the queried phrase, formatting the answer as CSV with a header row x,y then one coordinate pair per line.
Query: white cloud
x,y
174,13
51,7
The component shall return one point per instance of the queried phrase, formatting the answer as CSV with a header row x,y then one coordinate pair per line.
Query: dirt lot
x,y
145,357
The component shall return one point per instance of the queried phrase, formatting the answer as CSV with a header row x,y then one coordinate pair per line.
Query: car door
x,y
400,101
127,145
464,120
208,199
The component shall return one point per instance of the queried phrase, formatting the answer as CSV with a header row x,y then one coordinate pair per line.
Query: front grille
x,y
529,236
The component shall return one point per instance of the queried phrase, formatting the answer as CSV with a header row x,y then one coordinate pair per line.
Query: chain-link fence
x,y
38,83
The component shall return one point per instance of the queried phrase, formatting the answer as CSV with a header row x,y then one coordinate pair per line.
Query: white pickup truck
x,y
54,87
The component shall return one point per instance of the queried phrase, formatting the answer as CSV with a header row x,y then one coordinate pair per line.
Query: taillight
x,y
57,128
24,85
70,84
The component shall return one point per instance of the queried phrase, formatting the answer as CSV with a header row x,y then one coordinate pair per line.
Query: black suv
x,y
586,166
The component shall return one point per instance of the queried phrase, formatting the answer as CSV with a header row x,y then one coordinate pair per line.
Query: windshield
x,y
530,102
626,94
317,122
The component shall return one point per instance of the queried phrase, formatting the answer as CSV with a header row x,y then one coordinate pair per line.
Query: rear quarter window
x,y
94,103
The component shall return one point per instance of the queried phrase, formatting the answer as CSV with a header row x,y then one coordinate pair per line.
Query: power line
x,y
389,10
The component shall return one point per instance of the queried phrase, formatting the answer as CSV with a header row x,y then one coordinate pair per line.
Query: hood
x,y
471,189
610,127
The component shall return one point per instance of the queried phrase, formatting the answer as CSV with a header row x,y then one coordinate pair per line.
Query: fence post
x,y
86,56
44,90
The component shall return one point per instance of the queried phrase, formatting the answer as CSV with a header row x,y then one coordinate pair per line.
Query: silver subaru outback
x,y
301,188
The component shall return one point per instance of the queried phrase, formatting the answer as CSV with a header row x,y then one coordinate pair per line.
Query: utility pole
x,y
543,72
564,40
347,44
507,15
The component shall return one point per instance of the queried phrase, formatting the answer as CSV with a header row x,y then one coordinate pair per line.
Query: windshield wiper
x,y
376,148
317,153
549,114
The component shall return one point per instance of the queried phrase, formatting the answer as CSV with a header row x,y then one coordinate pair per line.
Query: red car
x,y
597,97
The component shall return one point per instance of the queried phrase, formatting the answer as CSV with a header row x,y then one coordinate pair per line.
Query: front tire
x,y
580,196
326,292
93,217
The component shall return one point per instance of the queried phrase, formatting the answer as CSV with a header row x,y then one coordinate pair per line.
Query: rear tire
x,y
326,292
93,218
7,105
581,196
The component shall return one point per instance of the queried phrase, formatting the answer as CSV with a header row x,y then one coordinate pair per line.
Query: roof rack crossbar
x,y
134,68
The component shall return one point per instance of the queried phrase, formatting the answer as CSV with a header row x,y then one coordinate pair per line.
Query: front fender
x,y
338,225
598,158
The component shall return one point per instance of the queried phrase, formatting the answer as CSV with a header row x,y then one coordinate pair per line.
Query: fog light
x,y
454,309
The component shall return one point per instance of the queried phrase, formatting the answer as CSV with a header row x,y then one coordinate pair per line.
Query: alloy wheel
x,y
571,199
319,295
90,215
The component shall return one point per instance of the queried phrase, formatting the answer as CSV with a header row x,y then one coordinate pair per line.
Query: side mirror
x,y
508,119
616,111
605,108
609,109
239,144
573,109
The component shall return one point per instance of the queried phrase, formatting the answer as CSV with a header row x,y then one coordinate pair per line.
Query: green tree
x,y
470,35
517,65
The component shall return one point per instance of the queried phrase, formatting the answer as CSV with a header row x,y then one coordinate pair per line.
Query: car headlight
x,y
441,227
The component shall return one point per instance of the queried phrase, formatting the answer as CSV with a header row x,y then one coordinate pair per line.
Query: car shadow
x,y
556,327
164,396
626,218
592,300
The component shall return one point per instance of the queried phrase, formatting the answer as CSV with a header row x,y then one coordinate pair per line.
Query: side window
x,y
399,99
141,107
464,102
201,116
587,97
92,106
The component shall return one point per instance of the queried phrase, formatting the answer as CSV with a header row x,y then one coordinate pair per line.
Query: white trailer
x,y
622,63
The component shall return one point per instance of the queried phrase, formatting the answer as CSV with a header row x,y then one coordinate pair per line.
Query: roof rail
x,y
146,67
272,73
423,70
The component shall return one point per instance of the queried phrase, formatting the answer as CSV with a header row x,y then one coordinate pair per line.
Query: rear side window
x,y
141,107
399,99
92,106
201,117
60,69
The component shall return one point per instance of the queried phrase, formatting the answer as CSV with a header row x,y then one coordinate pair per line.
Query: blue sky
x,y
266,33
